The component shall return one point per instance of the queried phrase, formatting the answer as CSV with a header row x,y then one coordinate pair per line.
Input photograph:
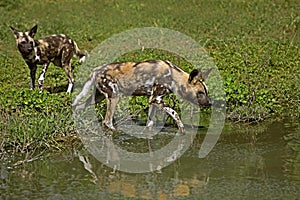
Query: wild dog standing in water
x,y
150,78
58,49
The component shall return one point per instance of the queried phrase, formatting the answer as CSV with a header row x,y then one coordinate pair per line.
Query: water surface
x,y
248,162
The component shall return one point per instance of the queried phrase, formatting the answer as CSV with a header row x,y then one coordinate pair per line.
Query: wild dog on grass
x,y
154,78
58,49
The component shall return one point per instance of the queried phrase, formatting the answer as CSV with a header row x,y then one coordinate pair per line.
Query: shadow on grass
x,y
57,89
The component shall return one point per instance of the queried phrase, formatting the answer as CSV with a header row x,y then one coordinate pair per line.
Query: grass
x,y
255,45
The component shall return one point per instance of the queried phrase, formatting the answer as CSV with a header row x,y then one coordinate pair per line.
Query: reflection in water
x,y
244,164
292,154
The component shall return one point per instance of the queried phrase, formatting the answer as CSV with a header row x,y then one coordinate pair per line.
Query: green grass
x,y
255,45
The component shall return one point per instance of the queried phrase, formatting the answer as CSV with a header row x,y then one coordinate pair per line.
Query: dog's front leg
x,y
151,113
32,68
110,110
176,117
173,114
42,76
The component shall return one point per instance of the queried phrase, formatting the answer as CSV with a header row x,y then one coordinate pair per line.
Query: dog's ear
x,y
16,32
193,75
196,75
205,74
32,31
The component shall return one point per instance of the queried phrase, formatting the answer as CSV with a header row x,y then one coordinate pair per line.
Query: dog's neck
x,y
181,83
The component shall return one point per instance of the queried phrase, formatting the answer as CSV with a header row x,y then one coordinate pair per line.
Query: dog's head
x,y
198,89
25,41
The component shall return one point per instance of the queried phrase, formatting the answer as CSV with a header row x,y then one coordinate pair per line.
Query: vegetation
x,y
255,45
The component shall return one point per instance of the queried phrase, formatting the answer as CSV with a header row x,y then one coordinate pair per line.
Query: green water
x,y
248,162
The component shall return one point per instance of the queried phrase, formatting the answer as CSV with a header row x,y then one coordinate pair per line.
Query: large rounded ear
x,y
16,32
32,31
205,74
193,74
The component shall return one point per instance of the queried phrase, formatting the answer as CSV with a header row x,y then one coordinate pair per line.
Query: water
x,y
248,162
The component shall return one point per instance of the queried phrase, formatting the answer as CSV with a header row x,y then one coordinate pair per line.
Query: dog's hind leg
x,y
110,110
70,73
66,59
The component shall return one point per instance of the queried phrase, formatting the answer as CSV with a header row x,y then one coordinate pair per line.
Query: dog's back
x,y
51,48
138,78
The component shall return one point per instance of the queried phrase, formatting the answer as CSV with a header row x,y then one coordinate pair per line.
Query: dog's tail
x,y
85,90
82,56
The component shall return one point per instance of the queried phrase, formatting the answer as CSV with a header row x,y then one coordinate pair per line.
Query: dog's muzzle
x,y
210,102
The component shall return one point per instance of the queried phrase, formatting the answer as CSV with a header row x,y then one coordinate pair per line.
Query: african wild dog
x,y
58,49
154,78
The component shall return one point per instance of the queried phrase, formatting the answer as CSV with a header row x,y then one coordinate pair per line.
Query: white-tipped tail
x,y
82,59
86,88
82,56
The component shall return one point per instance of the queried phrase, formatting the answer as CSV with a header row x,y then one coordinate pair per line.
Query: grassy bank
x,y
254,44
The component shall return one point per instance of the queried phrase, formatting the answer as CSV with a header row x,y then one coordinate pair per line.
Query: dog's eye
x,y
31,42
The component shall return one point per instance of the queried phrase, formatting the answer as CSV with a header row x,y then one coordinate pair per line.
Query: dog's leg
x,y
66,59
70,72
173,114
110,110
151,113
70,80
42,76
32,68
158,92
